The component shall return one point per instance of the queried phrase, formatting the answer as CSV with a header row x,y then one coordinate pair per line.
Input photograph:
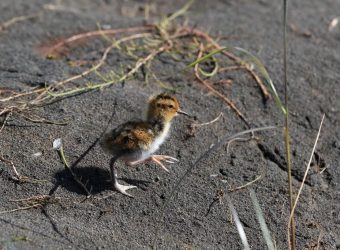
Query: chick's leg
x,y
114,178
156,159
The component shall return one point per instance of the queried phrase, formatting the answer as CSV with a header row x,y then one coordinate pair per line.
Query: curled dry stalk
x,y
193,127
166,36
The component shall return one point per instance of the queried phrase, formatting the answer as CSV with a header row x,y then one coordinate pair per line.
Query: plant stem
x,y
286,134
67,165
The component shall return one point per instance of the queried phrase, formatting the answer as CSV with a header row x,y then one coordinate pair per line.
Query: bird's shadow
x,y
95,179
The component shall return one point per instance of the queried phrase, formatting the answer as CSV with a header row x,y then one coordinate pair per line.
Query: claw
x,y
168,161
165,157
158,158
155,159
122,188
172,158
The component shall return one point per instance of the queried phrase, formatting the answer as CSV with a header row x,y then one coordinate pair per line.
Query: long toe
x,y
156,160
165,157
168,161
171,158
123,188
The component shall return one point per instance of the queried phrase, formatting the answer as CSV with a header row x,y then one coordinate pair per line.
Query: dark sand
x,y
119,222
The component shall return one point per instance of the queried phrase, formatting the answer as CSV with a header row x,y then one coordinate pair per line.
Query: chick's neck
x,y
159,123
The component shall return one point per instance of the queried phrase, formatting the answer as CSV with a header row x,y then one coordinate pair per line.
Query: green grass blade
x,y
213,72
181,11
261,220
239,226
206,57
266,77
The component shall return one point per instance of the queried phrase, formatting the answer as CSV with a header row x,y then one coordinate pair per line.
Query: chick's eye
x,y
171,106
158,105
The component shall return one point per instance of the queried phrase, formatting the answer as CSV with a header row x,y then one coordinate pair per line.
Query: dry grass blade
x,y
17,177
14,20
181,11
292,238
15,95
52,49
245,185
38,201
137,66
101,61
304,178
7,115
20,209
194,126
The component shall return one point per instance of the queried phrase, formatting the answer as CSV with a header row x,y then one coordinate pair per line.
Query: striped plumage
x,y
135,141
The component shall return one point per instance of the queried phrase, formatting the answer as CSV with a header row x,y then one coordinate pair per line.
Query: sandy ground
x,y
118,222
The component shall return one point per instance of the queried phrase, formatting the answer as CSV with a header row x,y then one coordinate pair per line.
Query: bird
x,y
135,142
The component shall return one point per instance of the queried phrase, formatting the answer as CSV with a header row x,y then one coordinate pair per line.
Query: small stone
x,y
223,172
294,153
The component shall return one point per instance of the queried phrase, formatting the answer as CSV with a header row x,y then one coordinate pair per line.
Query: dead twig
x,y
304,179
37,119
94,68
17,177
218,198
7,115
48,50
245,185
137,66
194,126
19,209
209,39
230,68
17,19
20,94
38,201
240,139
216,92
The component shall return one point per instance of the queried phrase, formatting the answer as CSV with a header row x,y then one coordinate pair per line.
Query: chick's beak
x,y
183,113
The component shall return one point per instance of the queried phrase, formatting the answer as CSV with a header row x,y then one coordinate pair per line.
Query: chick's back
x,y
129,137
